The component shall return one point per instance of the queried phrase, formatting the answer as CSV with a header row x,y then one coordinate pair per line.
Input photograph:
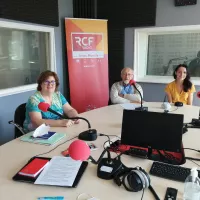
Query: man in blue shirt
x,y
123,92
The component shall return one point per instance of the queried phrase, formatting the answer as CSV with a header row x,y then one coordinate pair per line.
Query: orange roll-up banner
x,y
87,52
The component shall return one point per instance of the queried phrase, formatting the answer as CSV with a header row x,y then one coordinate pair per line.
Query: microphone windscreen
x,y
198,94
132,82
79,150
43,106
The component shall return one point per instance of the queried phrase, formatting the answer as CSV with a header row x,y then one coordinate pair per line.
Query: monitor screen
x,y
161,131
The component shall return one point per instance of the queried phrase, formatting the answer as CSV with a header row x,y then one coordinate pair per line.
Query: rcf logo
x,y
86,41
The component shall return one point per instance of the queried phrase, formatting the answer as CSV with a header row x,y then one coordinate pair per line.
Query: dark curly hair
x,y
43,77
187,84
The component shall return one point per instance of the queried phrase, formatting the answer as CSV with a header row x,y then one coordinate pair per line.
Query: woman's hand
x,y
77,121
67,123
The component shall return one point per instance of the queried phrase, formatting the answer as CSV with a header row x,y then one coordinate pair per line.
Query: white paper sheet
x,y
130,106
41,130
60,171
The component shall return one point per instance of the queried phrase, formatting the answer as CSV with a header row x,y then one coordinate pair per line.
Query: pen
x,y
51,198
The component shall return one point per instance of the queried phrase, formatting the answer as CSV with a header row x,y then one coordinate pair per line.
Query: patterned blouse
x,y
58,100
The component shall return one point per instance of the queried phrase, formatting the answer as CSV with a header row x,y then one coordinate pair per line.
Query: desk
x,y
107,120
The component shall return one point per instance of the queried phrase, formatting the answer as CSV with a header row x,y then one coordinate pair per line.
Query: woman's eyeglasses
x,y
49,82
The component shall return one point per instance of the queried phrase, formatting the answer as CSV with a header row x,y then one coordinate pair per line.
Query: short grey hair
x,y
125,68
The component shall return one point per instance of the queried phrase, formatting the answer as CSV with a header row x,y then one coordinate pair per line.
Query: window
x,y
25,51
159,50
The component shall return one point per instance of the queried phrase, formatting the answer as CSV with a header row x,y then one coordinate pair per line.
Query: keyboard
x,y
172,172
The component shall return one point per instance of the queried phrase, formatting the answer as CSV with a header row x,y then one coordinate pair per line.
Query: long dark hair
x,y
187,84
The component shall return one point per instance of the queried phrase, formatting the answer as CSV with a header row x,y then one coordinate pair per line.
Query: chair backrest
x,y
19,118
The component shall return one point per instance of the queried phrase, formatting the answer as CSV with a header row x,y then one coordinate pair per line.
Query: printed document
x,y
61,171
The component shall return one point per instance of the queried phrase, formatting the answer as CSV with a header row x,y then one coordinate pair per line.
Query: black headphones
x,y
134,180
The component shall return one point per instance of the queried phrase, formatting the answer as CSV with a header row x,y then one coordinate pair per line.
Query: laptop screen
x,y
161,131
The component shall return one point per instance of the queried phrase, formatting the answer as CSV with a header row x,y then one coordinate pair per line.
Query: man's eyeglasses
x,y
125,74
49,82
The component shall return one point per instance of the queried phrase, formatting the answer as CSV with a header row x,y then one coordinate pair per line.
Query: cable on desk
x,y
114,136
191,158
101,134
56,147
85,196
193,161
174,109
192,149
154,193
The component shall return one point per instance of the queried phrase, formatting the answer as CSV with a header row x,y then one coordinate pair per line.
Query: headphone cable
x,y
142,194
153,192
55,147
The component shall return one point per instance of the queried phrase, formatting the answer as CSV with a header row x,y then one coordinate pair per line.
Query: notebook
x,y
45,136
34,167
52,140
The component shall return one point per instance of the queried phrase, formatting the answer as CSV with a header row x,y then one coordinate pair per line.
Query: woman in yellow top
x,y
181,89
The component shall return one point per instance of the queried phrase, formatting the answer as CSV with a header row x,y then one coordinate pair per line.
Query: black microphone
x,y
17,126
89,135
141,108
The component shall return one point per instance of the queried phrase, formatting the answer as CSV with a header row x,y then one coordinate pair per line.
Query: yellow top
x,y
171,88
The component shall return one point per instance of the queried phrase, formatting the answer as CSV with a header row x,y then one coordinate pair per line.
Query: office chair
x,y
109,102
19,118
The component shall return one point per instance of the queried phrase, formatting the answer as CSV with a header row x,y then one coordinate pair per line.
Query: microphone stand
x,y
89,135
141,108
107,167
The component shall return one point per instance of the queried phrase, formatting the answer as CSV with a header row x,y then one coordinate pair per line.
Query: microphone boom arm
x,y
141,107
63,117
139,94
88,135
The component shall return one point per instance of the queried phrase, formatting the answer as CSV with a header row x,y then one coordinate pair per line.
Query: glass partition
x,y
23,55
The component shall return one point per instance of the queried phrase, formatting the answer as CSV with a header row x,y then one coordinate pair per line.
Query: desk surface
x,y
107,120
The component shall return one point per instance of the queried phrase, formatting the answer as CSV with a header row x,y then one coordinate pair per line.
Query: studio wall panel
x,y
34,11
120,15
84,9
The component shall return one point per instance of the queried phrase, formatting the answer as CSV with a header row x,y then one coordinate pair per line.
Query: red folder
x,y
34,167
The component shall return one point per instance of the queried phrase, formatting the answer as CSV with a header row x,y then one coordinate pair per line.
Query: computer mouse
x,y
178,104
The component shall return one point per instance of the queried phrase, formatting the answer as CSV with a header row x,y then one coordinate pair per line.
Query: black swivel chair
x,y
19,118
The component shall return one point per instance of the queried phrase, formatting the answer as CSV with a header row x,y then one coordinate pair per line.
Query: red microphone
x,y
198,94
43,106
132,82
79,150
141,108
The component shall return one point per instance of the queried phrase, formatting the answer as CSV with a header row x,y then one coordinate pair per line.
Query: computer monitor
x,y
161,131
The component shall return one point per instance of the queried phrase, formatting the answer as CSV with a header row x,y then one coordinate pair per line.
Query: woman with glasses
x,y
123,92
47,91
181,89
